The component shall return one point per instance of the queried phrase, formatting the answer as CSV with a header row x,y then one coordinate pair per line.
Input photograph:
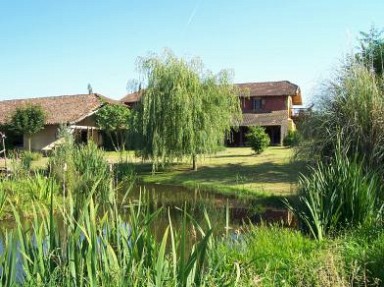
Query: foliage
x,y
90,244
90,250
28,120
3,199
115,121
21,191
26,158
293,138
184,111
94,171
273,256
352,107
78,168
364,247
338,195
61,162
257,139
371,50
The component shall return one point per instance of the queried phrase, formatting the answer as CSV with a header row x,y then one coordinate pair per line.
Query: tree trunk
x,y
112,141
194,163
29,143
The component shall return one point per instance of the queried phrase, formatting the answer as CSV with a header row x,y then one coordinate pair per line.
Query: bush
x,y
257,139
293,138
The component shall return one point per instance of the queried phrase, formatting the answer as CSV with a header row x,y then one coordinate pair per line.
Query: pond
x,y
226,213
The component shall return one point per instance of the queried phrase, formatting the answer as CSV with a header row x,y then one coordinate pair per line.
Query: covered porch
x,y
276,125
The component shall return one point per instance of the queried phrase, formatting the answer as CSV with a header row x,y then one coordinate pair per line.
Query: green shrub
x,y
257,139
293,138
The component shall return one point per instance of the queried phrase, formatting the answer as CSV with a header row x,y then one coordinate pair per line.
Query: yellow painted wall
x,y
42,138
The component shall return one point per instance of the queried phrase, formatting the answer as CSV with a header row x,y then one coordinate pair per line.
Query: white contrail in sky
x,y
193,13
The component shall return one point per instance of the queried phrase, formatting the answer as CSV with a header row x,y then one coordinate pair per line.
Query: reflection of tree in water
x,y
175,199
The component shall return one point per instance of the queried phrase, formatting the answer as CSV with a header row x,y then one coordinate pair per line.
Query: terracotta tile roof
x,y
132,98
275,118
281,88
59,109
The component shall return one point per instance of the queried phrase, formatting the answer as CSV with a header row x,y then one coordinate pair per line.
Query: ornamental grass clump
x,y
92,167
79,167
351,105
338,195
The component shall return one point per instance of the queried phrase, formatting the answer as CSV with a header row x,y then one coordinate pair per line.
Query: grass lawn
x,y
235,170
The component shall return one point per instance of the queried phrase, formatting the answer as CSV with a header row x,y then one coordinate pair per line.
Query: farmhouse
x,y
266,104
270,105
75,111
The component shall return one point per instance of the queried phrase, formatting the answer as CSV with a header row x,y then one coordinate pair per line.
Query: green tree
x,y
115,121
28,120
257,139
184,111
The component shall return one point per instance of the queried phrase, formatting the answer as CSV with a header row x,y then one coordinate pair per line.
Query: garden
x,y
71,219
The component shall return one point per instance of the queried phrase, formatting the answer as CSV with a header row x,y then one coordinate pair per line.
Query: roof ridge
x,y
266,82
51,97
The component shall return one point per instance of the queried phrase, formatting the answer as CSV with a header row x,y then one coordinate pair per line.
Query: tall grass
x,y
91,166
92,242
338,194
352,103
3,198
97,247
79,168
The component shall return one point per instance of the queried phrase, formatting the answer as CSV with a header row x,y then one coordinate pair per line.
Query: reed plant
x,y
79,168
3,199
94,246
91,166
337,195
352,104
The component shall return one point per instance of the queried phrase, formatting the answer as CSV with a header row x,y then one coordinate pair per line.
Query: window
x,y
257,104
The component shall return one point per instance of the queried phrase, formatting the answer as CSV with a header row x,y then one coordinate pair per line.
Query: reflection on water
x,y
223,211
226,213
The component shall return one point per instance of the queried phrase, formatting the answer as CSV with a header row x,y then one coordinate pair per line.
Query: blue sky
x,y
50,48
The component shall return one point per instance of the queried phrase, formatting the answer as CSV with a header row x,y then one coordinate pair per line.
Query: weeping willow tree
x,y
185,111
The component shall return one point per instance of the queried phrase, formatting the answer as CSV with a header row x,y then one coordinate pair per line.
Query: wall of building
x,y
89,121
41,139
91,134
273,103
49,135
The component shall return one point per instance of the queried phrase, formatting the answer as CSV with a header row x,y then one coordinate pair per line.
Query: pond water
x,y
226,213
